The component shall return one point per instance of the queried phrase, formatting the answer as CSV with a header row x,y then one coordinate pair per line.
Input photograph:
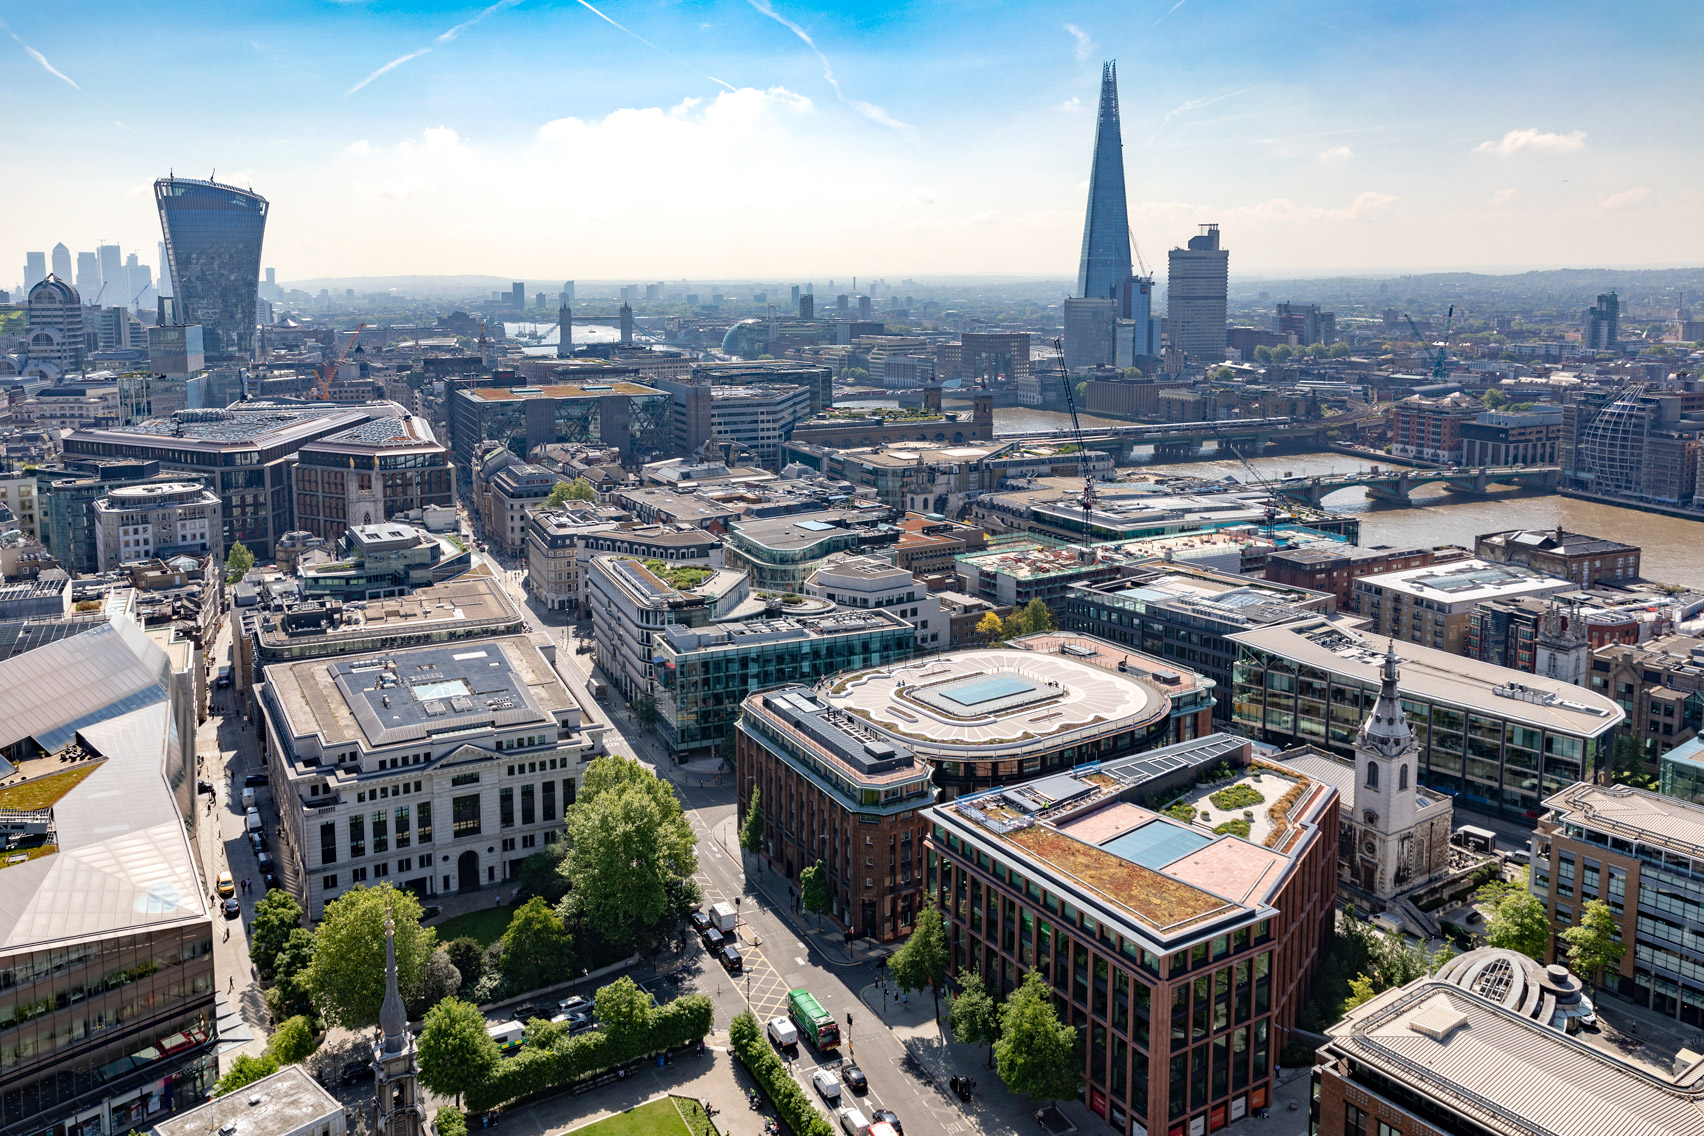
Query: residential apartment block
x,y
1432,606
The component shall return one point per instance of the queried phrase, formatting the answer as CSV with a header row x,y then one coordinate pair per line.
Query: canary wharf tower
x,y
1105,264
213,234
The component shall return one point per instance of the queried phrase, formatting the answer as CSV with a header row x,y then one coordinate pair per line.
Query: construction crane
x,y
322,389
1271,490
1089,498
1440,361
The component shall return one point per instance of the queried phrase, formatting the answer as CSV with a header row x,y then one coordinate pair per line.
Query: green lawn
x,y
486,925
659,1118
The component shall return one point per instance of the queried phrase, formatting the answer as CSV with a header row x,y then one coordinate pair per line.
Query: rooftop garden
x,y
25,855
1245,807
43,792
889,413
677,576
1151,896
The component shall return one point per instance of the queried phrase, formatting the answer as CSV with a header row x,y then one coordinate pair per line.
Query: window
x,y
1372,776
527,815
464,816
357,836
381,832
423,821
567,794
1402,777
401,829
328,843
1387,1130
329,883
506,806
1355,1120
549,795
464,779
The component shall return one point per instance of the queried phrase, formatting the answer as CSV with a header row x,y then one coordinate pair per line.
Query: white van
x,y
507,1035
852,1122
783,1033
253,819
248,798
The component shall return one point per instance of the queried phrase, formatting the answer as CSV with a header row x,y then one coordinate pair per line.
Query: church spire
x,y
393,1016
1386,728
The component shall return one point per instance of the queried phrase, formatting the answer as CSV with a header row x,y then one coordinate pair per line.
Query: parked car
x,y
700,921
232,909
886,1116
854,1078
252,819
574,1004
714,941
269,879
255,780
826,1084
204,787
730,956
226,886
357,1071
264,860
257,841
784,1034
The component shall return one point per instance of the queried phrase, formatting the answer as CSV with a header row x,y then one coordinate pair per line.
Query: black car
x,y
357,1071
257,841
853,1078
714,941
254,780
887,1115
232,909
264,860
700,921
730,956
270,879
204,786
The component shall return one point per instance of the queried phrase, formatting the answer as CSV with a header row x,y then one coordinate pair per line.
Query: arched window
x,y
1402,777
1372,776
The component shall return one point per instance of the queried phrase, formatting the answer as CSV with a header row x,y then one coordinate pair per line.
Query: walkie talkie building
x,y
213,235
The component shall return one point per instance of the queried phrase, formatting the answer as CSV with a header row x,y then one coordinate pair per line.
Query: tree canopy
x,y
577,490
815,895
922,959
623,1009
275,916
293,1041
1037,1053
347,974
455,1051
974,1015
238,561
1594,945
535,946
1519,921
751,830
633,852
990,627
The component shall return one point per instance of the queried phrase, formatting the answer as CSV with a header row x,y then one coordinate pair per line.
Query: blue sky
x,y
710,140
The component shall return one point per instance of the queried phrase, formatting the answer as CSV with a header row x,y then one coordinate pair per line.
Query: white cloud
x,y
398,190
356,149
1085,45
1536,141
1337,155
1072,103
1503,197
1635,198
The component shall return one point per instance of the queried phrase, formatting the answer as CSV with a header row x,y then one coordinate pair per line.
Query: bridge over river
x,y
1181,439
1394,486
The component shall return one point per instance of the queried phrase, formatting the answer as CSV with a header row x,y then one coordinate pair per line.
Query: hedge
x,y
745,1038
534,1071
449,1121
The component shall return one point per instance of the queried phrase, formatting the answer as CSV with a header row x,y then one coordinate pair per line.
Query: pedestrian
x,y
905,999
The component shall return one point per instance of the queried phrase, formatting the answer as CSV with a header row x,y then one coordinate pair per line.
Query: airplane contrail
x,y
869,110
39,57
649,44
443,38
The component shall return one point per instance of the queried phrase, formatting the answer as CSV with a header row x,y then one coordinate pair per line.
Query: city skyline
x,y
787,140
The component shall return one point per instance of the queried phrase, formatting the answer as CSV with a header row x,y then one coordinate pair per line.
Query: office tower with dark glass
x,y
1105,263
213,234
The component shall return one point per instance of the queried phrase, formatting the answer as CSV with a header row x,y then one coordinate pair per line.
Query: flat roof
x,y
587,389
993,700
1472,581
1508,1072
388,433
1173,678
1338,645
1166,879
1637,813
471,599
419,692
286,1101
233,427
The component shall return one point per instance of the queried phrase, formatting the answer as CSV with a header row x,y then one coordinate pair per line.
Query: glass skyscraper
x,y
213,234
1105,264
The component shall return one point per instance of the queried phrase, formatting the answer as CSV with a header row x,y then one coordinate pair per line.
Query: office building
x,y
1583,560
1185,615
213,236
67,494
1602,324
807,306
287,1103
245,456
561,542
865,582
706,672
176,352
1182,955
1431,605
53,329
370,473
1680,772
1659,683
994,358
35,267
382,560
438,767
1196,286
1495,740
111,1022
1091,333
1392,837
1538,636
505,497
1639,852
139,522
780,552
1334,567
1104,265
628,416
1305,325
1499,437
19,497
632,600
88,274
758,417
1491,1045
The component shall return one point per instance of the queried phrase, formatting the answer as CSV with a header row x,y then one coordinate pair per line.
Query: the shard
x,y
1105,264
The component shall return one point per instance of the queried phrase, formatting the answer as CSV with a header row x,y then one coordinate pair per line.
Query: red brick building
x,y
1335,568
1430,428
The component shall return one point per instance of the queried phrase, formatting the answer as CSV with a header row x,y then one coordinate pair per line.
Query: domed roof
x,y
1550,995
53,290
741,338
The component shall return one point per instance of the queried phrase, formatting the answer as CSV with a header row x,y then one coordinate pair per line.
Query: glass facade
x,y
636,423
213,235
1473,753
107,1035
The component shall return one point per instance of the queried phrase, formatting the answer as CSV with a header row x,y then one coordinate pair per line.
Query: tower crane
x,y
322,389
1264,483
1089,498
1440,361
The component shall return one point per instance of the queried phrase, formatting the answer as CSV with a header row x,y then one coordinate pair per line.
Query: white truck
x,y
724,917
784,1034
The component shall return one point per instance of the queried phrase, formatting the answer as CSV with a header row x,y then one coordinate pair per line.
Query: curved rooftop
x,y
1550,995
994,701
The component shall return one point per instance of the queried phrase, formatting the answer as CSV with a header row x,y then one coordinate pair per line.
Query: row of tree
x,y
1030,619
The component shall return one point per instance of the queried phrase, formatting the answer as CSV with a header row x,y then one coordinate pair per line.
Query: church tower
x,y
399,1110
564,332
1386,755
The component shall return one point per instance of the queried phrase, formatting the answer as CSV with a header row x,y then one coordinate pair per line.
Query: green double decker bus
x,y
816,1025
